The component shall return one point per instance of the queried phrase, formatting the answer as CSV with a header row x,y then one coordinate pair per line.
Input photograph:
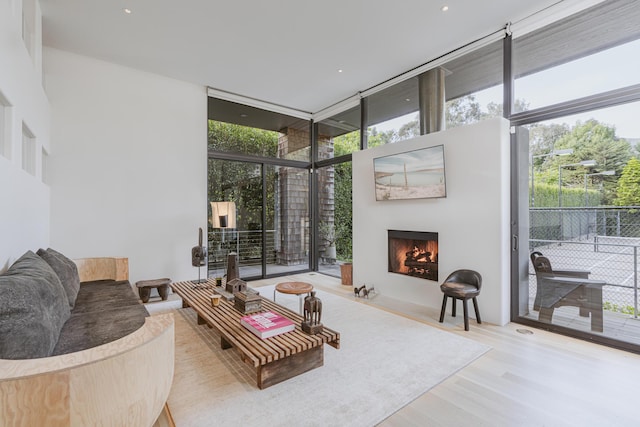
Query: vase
x,y
346,273
330,252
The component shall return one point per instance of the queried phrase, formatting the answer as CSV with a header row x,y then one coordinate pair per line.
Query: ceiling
x,y
286,52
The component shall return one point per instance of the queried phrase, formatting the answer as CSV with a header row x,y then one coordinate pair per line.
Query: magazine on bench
x,y
267,324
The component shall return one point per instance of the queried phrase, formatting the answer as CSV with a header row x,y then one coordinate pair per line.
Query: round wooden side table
x,y
293,288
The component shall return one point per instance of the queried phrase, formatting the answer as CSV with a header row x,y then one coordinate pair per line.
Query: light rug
x,y
384,362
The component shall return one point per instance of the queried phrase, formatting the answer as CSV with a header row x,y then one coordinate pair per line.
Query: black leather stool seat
x,y
459,290
461,285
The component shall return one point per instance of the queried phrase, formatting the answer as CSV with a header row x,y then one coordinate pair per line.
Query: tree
x,y
463,111
230,137
628,191
237,181
590,140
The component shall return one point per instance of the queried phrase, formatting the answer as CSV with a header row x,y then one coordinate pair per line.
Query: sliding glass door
x,y
576,187
261,213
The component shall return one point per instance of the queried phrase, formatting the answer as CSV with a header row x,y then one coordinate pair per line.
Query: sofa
x,y
77,347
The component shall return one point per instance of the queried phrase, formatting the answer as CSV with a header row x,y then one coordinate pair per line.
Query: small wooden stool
x,y
145,286
293,288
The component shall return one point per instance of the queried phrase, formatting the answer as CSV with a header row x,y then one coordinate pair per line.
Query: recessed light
x,y
408,99
244,116
127,11
444,8
340,70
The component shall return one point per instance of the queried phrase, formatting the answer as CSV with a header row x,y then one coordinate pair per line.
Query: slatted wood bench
x,y
276,359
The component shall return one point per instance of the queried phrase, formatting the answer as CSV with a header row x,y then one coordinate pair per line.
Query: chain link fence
x,y
604,241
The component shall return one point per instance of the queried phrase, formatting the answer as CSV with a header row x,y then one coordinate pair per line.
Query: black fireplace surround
x,y
413,253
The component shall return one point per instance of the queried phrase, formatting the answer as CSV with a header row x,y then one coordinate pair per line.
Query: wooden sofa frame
x,y
122,383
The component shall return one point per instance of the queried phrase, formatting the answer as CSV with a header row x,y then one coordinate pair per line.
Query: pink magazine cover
x,y
267,324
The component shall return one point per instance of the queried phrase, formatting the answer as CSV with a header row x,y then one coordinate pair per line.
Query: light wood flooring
x,y
530,377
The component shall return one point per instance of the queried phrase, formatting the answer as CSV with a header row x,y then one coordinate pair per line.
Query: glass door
x,y
235,191
287,219
261,213
579,181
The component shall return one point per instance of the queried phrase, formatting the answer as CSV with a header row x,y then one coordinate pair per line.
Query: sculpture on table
x,y
199,256
312,314
233,269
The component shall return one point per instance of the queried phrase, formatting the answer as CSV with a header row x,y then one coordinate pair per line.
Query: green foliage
x,y
241,182
346,144
546,196
628,191
590,140
624,309
242,139
462,111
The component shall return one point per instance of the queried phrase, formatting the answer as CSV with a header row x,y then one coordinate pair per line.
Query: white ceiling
x,y
286,52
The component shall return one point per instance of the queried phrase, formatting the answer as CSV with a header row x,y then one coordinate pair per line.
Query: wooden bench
x,y
276,359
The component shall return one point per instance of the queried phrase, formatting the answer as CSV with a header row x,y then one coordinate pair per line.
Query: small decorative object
x,y
218,281
215,300
199,256
235,285
364,291
312,314
346,273
233,271
247,302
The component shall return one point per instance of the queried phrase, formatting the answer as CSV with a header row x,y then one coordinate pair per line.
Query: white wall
x,y
24,199
127,166
472,222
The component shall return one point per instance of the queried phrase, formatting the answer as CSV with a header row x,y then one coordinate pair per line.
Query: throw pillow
x,y
66,270
33,309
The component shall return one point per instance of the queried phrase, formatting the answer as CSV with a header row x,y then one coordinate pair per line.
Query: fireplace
x,y
413,253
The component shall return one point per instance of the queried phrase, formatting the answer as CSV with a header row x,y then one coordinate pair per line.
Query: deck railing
x,y
247,244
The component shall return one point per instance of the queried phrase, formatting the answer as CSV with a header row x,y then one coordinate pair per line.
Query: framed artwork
x,y
417,174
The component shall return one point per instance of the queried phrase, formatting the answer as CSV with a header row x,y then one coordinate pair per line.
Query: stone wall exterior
x,y
294,219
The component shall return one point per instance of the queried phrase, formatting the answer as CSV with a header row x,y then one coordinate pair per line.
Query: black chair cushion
x,y
459,290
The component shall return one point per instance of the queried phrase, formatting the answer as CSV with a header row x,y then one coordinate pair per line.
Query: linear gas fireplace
x,y
413,253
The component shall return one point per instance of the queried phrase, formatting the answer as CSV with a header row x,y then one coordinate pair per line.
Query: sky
x,y
607,70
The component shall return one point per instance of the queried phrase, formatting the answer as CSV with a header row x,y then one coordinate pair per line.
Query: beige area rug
x,y
384,362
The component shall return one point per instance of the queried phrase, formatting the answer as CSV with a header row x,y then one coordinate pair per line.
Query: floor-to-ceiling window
x,y
337,138
576,154
258,190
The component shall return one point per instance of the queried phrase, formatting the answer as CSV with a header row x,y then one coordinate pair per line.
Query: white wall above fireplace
x,y
472,221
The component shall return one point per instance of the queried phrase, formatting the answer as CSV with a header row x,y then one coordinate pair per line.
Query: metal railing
x,y
607,258
247,244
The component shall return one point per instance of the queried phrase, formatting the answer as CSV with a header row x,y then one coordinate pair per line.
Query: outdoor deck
x,y
613,260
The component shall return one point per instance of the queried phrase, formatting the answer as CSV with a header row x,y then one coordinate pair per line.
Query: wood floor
x,y
529,378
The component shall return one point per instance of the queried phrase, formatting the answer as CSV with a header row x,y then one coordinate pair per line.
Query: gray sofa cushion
x,y
105,311
66,270
33,309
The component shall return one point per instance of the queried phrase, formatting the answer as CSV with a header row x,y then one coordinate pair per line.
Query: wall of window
x,y
577,173
591,52
472,92
259,160
339,134
574,88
